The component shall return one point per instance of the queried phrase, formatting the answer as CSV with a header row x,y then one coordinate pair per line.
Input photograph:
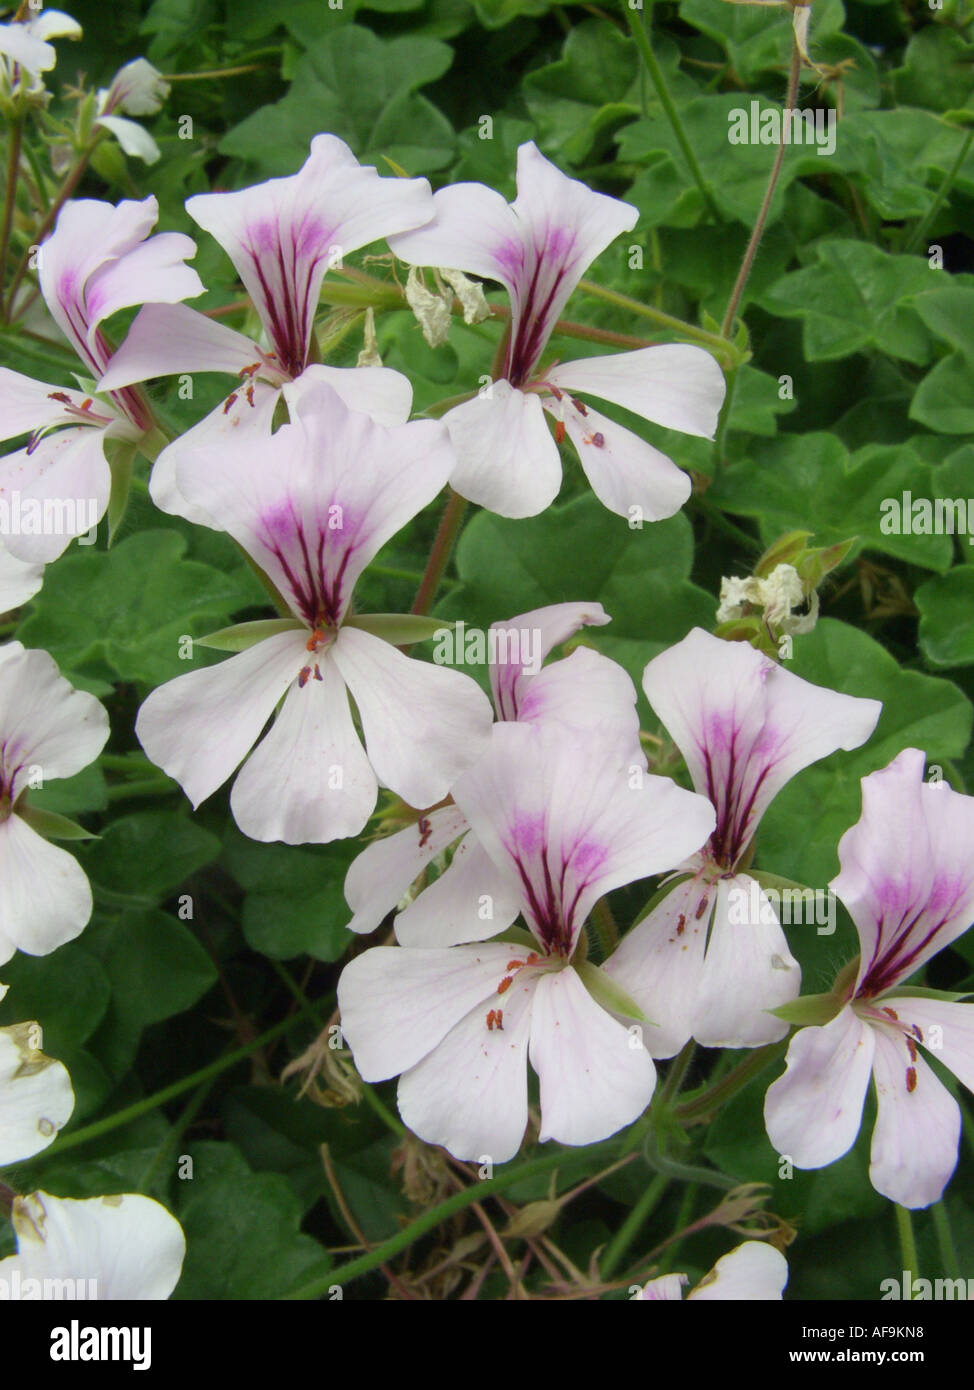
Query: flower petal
x,y
198,727
282,234
169,339
472,229
26,404
19,580
470,1094
593,1079
45,897
308,781
754,1272
945,1029
748,969
53,493
907,871
813,1112
47,725
128,1245
628,475
379,392
668,1288
914,1148
659,964
506,458
745,727
36,1099
674,385
577,691
423,724
548,627
458,907
380,876
397,1005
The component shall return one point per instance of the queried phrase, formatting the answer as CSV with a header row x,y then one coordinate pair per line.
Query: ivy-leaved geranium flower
x,y
26,51
562,822
583,690
538,248
99,259
36,1099
311,506
47,730
907,879
282,236
745,727
753,1272
113,1248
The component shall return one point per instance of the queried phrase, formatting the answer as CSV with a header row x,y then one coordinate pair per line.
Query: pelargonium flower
x,y
113,1248
36,1099
538,248
282,236
584,690
26,52
753,1272
745,727
97,260
907,878
138,89
47,730
312,505
562,822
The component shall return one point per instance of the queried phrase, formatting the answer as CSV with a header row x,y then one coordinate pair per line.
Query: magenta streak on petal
x,y
730,837
533,327
76,312
8,772
553,916
317,595
895,961
288,313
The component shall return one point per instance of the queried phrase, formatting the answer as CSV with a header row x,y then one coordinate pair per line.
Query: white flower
x,y
36,1099
47,730
121,1247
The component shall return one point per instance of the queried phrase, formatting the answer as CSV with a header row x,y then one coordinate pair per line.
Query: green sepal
x,y
243,635
399,629
120,466
921,992
809,1009
53,826
607,993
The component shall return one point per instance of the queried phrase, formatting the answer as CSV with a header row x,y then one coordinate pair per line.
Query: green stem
x,y
945,1240
633,1224
13,173
640,33
168,1093
940,198
723,423
751,250
168,1146
440,552
677,1073
428,1221
908,1246
715,1096
680,327
384,1113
